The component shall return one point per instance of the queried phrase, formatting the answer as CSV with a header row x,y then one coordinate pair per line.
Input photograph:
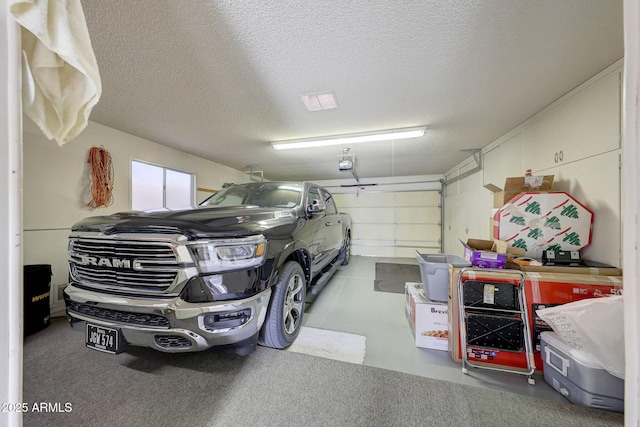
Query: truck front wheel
x,y
284,316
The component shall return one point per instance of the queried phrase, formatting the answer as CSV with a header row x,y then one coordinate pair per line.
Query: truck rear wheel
x,y
284,317
346,250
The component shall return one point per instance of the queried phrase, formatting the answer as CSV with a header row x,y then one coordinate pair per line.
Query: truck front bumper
x,y
169,325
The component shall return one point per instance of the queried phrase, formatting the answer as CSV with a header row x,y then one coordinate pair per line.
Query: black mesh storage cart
x,y
493,316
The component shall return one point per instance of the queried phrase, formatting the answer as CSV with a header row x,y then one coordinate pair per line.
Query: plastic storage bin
x,y
579,377
434,270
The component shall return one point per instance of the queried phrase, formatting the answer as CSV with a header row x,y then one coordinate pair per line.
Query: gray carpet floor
x,y
266,388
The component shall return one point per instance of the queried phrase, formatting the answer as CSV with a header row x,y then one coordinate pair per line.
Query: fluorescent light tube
x,y
351,139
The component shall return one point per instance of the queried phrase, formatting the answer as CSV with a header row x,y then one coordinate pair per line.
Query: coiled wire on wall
x,y
101,177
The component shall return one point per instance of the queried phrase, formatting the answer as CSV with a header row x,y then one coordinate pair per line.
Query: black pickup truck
x,y
234,272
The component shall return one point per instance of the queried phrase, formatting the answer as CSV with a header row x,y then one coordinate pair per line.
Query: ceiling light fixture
x,y
320,101
355,138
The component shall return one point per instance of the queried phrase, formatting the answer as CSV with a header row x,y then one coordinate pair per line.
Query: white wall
x,y
631,163
57,179
10,219
576,139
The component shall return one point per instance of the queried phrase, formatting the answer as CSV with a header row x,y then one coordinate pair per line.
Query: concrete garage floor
x,y
348,303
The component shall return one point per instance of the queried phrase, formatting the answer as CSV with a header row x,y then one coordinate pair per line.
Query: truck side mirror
x,y
316,207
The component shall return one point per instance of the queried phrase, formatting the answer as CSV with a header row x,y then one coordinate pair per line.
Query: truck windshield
x,y
264,195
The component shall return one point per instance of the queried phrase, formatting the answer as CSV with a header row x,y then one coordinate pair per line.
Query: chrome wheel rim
x,y
347,252
293,303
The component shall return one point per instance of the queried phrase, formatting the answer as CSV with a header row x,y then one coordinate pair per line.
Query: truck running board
x,y
327,272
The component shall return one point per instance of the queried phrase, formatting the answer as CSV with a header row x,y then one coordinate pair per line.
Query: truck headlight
x,y
224,255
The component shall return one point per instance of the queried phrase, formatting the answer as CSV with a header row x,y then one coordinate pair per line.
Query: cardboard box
x,y
516,185
541,290
536,221
503,247
482,253
591,270
427,319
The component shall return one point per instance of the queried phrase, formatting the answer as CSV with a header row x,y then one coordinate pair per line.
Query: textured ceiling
x,y
222,79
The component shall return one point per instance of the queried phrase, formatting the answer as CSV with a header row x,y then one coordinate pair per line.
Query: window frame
x,y
192,192
330,205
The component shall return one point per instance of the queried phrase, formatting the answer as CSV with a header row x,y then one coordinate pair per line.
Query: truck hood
x,y
201,222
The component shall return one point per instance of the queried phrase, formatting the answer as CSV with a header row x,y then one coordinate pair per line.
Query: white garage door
x,y
393,224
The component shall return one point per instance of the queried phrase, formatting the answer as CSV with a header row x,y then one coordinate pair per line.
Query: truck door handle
x,y
339,221
328,224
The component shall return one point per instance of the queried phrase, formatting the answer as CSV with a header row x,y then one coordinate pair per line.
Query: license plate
x,y
104,339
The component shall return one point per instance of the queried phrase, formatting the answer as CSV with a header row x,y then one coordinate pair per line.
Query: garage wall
x,y
466,208
57,179
576,139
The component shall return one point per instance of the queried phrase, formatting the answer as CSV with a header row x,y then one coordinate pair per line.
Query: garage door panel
x,y
354,230
378,231
345,201
418,198
418,215
357,233
393,224
418,244
415,232
376,200
352,212
410,252
375,251
377,215
376,242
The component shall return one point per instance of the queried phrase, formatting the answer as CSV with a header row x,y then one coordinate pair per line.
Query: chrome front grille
x,y
156,252
149,266
130,280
